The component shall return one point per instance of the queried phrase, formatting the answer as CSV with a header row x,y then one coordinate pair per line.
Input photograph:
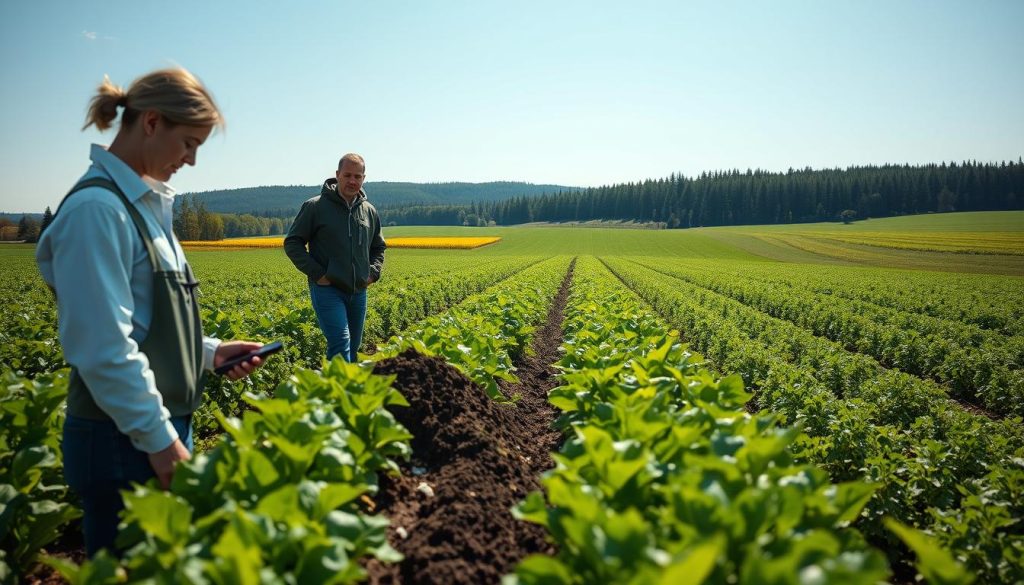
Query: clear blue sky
x,y
575,93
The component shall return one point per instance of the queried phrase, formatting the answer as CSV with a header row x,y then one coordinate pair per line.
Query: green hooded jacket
x,y
344,241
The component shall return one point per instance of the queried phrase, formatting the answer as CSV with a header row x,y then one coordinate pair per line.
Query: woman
x,y
126,298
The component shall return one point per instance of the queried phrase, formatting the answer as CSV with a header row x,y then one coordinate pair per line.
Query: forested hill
x,y
755,197
280,201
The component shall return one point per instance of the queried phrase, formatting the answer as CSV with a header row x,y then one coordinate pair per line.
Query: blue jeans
x,y
341,317
99,462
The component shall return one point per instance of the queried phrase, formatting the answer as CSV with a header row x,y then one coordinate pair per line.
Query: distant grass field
x,y
977,242
533,241
973,221
982,242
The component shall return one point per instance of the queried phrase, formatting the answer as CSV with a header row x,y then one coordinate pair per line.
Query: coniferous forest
x,y
718,198
752,197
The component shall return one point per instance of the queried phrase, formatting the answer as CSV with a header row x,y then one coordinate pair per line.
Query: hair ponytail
x,y
103,106
175,93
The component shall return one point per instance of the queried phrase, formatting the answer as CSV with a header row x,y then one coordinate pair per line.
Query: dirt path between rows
x,y
478,457
473,459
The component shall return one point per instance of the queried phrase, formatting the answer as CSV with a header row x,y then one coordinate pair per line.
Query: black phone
x,y
262,352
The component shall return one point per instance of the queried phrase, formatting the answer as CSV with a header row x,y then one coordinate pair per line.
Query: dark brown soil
x,y
977,410
479,457
68,547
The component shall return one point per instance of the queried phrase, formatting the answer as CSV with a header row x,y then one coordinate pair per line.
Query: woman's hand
x,y
164,462
230,349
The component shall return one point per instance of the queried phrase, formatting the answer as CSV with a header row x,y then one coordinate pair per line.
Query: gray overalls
x,y
99,460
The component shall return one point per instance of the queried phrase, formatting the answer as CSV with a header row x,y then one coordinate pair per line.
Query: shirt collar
x,y
160,188
133,186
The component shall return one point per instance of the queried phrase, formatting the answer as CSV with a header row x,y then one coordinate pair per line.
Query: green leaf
x,y
66,568
936,564
160,514
540,570
238,556
850,498
300,455
335,496
282,505
696,566
532,509
45,521
327,564
11,503
258,472
26,469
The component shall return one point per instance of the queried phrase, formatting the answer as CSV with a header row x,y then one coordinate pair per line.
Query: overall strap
x,y
140,224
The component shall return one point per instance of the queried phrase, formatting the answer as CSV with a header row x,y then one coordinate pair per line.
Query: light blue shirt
x,y
96,262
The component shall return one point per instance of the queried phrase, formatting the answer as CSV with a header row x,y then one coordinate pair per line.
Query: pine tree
x,y
47,220
28,229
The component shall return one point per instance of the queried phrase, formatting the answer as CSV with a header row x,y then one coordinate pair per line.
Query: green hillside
x,y
281,200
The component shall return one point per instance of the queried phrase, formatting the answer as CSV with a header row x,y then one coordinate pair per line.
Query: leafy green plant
x,y
34,503
277,498
486,333
667,479
935,564
864,422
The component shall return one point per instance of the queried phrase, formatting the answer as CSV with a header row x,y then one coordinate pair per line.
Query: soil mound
x,y
473,460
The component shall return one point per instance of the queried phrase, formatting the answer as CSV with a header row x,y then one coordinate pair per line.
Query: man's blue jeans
x,y
99,462
341,316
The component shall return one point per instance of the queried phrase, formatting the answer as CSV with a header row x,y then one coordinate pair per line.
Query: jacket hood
x,y
329,190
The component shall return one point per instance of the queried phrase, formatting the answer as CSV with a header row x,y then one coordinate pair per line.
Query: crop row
x,y
665,478
257,302
989,302
304,528
939,468
1011,243
977,365
394,307
482,336
263,299
489,331
279,496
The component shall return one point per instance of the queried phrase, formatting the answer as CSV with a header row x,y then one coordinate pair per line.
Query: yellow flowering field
x,y
439,242
445,242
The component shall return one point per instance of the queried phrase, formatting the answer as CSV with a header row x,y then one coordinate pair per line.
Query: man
x,y
345,254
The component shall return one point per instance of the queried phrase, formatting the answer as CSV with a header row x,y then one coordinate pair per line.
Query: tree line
x,y
26,229
285,200
192,221
753,197
711,199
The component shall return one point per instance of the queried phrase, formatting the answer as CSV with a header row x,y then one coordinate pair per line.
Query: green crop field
x,y
982,242
740,404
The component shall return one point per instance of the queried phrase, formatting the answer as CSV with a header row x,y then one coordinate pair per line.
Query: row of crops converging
x,y
829,454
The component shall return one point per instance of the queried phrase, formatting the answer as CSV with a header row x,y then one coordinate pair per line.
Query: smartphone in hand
x,y
261,353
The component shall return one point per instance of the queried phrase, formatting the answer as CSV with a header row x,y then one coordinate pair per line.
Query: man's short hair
x,y
352,157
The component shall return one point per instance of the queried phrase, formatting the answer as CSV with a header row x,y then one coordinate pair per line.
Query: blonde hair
x,y
353,158
175,94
